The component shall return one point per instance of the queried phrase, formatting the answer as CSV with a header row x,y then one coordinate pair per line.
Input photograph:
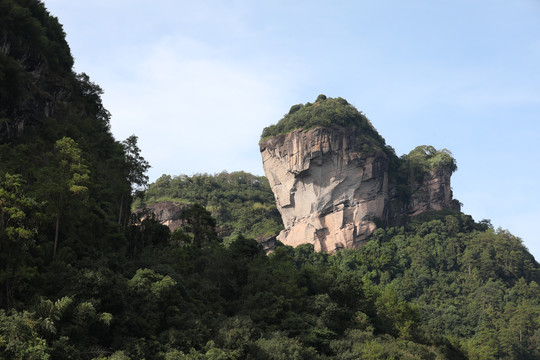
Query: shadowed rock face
x,y
167,213
331,186
43,89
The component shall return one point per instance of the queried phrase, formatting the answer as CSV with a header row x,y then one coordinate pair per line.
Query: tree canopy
x,y
240,202
426,157
324,112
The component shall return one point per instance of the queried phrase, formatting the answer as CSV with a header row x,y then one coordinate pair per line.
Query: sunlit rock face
x,y
328,188
432,193
331,186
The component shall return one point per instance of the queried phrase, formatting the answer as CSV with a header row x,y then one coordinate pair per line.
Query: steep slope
x,y
56,151
334,178
35,63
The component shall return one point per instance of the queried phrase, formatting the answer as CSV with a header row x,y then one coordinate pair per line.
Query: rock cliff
x,y
170,214
334,183
166,212
35,69
432,193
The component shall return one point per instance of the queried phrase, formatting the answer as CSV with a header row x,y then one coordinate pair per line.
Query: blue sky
x,y
197,81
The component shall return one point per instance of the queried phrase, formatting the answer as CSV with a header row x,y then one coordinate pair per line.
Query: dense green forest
x,y
82,279
240,202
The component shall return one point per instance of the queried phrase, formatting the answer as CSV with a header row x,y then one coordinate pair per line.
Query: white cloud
x,y
206,110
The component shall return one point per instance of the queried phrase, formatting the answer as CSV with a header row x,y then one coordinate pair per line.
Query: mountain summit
x,y
335,179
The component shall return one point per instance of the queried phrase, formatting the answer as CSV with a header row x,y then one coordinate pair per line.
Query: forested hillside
x,y
240,202
82,279
66,183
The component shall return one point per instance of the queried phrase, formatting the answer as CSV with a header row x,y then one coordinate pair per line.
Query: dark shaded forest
x,y
81,278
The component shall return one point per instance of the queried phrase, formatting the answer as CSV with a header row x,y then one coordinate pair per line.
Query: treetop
x,y
325,112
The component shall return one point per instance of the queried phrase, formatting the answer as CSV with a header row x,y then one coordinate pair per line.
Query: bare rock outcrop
x,y
432,193
166,212
170,214
332,185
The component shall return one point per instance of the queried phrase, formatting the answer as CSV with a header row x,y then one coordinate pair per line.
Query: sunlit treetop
x,y
323,112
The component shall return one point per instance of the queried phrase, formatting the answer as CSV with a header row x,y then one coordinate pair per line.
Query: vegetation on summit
x,y
323,112
424,158
326,112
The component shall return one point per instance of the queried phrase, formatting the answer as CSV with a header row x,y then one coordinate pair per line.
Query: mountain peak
x,y
334,179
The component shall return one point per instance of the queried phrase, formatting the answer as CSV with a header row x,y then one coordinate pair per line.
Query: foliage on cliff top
x,y
324,112
425,158
429,158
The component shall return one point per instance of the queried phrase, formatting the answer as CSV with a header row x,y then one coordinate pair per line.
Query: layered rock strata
x,y
332,185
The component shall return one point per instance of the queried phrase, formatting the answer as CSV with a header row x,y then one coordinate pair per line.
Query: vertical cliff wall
x,y
327,189
332,184
432,193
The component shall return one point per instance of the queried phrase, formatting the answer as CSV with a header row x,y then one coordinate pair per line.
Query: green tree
x,y
17,232
201,224
66,176
137,166
277,346
135,169
20,338
424,158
